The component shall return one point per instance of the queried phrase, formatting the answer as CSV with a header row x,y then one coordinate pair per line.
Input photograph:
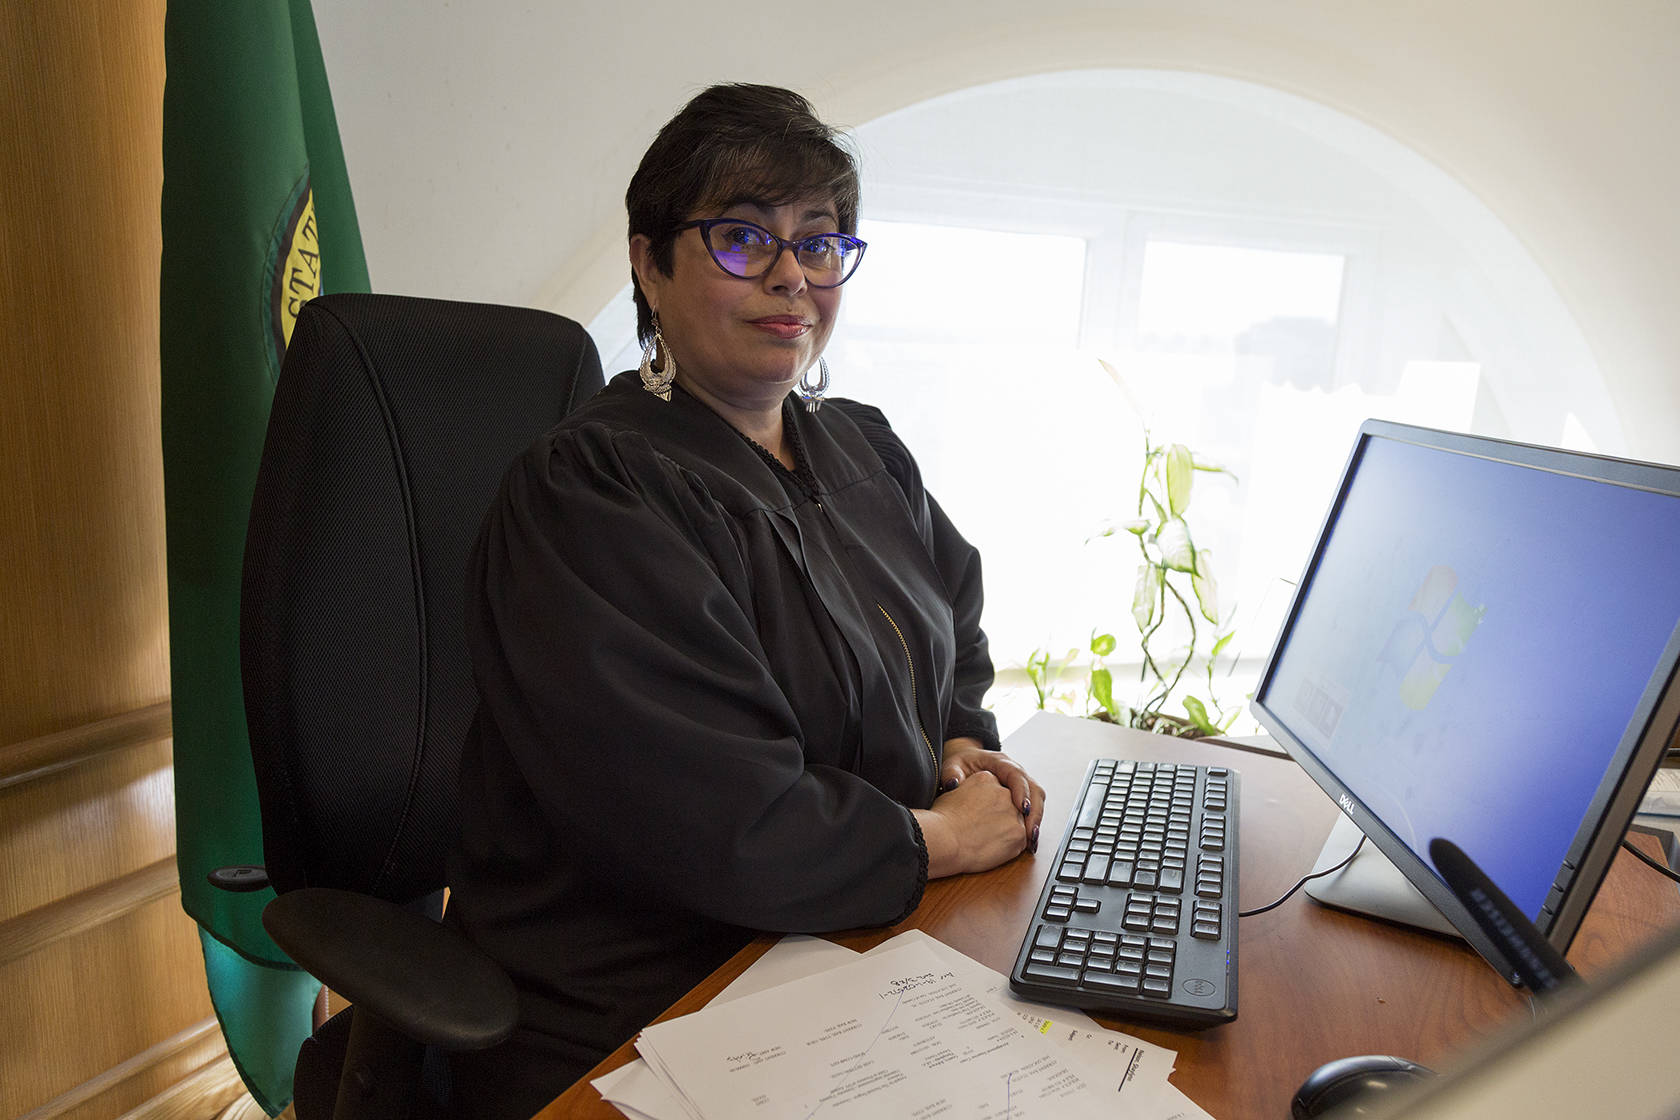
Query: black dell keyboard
x,y
1138,918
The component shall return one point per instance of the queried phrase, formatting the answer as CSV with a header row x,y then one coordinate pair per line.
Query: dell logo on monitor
x,y
1346,803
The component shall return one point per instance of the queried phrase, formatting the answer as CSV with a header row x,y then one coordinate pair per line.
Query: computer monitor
x,y
1483,647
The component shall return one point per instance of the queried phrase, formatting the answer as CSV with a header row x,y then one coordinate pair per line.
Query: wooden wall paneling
x,y
88,1003
194,1057
36,758
214,1090
85,826
105,1009
85,624
84,910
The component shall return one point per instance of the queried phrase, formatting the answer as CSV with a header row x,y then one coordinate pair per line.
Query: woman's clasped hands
x,y
989,811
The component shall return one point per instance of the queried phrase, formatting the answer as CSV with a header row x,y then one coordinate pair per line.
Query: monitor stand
x,y
1371,884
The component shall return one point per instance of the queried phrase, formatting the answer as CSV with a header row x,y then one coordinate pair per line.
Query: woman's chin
x,y
778,382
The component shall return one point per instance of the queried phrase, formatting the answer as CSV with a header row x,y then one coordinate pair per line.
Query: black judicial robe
x,y
710,689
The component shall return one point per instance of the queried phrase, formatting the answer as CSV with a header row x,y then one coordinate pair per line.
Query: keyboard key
x,y
1051,972
1112,982
1091,808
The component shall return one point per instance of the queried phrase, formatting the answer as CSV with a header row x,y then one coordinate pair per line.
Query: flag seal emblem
x,y
294,270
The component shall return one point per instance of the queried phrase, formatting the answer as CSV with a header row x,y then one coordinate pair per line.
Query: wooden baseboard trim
x,y
198,1047
35,758
34,929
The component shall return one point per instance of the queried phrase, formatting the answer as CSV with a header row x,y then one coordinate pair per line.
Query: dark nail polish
x,y
1032,845
1026,807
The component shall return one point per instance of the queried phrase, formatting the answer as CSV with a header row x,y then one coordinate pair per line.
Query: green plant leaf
x,y
1177,551
1102,690
1038,672
1202,464
1102,644
1144,594
1160,513
1179,476
1199,716
1219,646
1140,526
1207,589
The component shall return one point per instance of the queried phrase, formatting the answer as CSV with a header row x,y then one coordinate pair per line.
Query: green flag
x,y
257,218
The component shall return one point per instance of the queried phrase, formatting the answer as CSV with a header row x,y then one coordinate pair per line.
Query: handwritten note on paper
x,y
899,1033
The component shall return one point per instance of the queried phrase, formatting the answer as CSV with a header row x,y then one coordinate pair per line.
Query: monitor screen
x,y
1483,648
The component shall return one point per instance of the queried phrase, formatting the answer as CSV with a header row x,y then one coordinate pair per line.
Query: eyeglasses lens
x,y
748,251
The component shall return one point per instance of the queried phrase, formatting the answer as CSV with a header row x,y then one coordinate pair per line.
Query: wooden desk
x,y
1313,983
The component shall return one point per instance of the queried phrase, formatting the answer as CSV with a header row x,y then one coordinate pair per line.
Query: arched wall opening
x,y
1062,262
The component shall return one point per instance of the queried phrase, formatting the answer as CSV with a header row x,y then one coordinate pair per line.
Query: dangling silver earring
x,y
811,394
658,381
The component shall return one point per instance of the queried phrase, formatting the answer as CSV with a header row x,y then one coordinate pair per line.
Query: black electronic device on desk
x,y
1138,917
1484,646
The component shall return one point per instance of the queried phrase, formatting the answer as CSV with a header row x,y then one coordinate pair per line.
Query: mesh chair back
x,y
393,421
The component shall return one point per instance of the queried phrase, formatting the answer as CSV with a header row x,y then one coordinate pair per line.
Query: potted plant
x,y
1175,596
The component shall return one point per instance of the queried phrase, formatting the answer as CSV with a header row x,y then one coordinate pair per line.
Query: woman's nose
x,y
786,275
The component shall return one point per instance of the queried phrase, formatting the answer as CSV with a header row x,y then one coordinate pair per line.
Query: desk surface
x,y
1313,983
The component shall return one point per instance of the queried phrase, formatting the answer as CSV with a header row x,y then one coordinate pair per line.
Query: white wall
x,y
489,143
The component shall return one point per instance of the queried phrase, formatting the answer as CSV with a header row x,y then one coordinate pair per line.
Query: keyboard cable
x,y
1305,879
1290,893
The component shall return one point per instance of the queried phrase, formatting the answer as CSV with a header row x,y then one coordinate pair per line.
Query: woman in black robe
x,y
728,649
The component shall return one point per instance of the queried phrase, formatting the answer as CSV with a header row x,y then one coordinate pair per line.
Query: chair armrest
x,y
421,977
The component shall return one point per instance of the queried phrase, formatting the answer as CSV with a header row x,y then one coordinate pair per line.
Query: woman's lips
x,y
782,326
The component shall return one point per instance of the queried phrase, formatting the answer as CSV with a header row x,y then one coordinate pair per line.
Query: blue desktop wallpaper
x,y
1472,646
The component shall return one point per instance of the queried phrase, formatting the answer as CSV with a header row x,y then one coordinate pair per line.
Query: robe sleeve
x,y
617,663
958,564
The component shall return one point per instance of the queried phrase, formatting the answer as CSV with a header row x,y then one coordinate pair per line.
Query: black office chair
x,y
392,423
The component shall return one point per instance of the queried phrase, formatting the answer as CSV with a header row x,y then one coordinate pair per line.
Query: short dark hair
x,y
731,143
